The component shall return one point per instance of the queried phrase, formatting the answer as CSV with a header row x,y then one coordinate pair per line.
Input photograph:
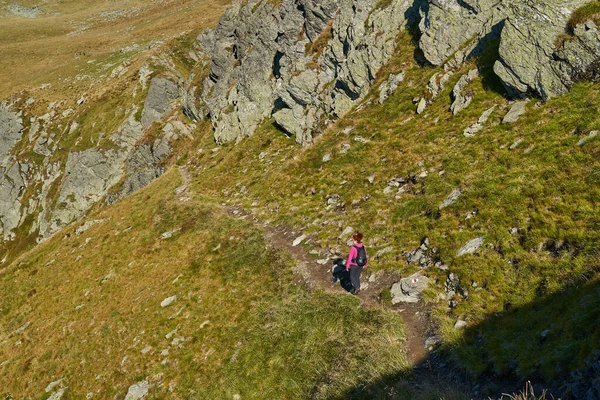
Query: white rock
x,y
299,240
471,247
168,301
348,231
54,384
460,324
138,390
327,157
58,394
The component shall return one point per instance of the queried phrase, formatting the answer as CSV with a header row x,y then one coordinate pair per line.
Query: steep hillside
x,y
460,136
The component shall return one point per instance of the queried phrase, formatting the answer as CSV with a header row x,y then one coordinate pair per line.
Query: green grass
x,y
266,338
590,11
542,187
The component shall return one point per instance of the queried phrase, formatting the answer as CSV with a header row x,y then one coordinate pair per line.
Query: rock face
x,y
529,60
301,63
158,102
60,191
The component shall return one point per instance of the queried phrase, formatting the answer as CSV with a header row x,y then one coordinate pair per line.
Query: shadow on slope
x,y
552,342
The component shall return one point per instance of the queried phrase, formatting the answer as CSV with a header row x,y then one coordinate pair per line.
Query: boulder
x,y
390,86
409,290
478,126
517,110
462,100
138,390
471,247
451,199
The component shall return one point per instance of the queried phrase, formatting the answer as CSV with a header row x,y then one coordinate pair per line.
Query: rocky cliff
x,y
303,64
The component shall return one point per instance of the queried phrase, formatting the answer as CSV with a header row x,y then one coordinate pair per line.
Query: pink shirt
x,y
353,254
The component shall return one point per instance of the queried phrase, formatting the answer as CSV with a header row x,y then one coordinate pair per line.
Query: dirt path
x,y
418,325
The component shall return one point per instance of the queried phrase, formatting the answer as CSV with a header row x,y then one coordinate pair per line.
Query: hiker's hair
x,y
358,237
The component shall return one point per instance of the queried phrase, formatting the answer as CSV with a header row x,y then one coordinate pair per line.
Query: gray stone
x,y
299,240
54,384
138,390
588,138
409,290
11,131
471,247
451,199
432,341
460,324
462,100
262,64
168,301
348,231
390,86
517,110
478,126
528,58
158,102
384,251
58,394
22,11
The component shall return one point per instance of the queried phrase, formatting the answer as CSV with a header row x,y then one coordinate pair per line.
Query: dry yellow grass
x,y
73,37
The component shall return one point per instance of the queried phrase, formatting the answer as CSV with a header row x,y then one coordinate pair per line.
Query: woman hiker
x,y
357,260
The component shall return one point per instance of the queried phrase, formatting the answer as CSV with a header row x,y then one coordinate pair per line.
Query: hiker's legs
x,y
355,277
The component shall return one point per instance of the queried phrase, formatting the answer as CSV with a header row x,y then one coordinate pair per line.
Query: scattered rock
x,y
54,384
381,252
517,110
327,157
390,86
463,100
168,301
409,290
58,394
516,144
299,240
432,342
451,199
478,126
25,12
138,390
425,256
471,247
589,137
348,231
460,324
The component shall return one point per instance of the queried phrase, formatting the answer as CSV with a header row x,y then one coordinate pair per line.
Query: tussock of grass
x,y
590,11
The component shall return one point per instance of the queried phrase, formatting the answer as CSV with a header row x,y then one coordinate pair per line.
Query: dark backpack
x,y
361,256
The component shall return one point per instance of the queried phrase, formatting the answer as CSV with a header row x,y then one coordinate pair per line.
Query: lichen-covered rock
x,y
409,290
301,62
390,86
462,100
529,60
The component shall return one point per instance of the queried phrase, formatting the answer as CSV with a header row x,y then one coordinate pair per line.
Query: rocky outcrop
x,y
529,60
301,63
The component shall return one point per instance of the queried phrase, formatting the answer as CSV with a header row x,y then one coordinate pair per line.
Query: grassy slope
x,y
85,38
547,187
99,302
